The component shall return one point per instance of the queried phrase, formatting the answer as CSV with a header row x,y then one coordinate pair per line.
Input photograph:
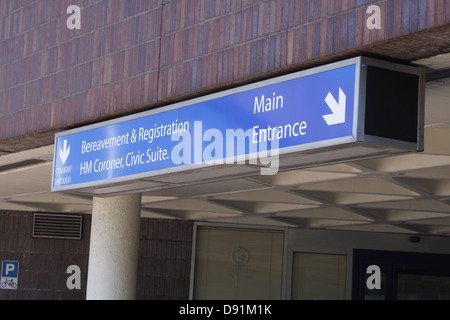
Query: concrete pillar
x,y
114,246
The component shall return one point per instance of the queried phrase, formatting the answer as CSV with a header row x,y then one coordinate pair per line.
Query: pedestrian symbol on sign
x,y
10,275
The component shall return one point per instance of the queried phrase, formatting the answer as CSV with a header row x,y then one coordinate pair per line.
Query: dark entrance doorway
x,y
402,275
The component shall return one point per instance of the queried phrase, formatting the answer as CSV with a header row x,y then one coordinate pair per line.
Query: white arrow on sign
x,y
64,152
337,108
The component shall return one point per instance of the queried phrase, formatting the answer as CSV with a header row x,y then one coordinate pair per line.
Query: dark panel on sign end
x,y
392,104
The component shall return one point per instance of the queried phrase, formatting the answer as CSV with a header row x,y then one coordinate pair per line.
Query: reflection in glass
x,y
423,287
238,264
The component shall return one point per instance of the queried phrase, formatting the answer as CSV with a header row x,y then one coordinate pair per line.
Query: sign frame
x,y
407,69
7,282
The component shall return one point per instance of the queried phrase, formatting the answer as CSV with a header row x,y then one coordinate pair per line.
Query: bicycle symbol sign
x,y
10,275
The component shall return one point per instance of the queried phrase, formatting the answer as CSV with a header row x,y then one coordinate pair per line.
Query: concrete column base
x,y
114,248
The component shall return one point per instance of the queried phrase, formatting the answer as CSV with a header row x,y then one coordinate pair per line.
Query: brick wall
x,y
42,262
163,269
138,54
164,260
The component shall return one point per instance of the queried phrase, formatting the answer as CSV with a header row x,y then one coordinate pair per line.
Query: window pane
x,y
318,276
423,287
238,264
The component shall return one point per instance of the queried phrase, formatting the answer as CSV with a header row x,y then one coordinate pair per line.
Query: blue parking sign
x,y
10,275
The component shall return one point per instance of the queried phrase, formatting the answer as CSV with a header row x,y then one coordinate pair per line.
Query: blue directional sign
x,y
301,111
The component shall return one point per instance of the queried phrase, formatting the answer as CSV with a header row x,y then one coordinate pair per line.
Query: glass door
x,y
400,275
417,286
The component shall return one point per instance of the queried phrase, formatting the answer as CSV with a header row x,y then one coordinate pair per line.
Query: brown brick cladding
x,y
163,270
138,54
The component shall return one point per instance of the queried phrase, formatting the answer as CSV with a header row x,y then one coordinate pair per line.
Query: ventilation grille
x,y
57,226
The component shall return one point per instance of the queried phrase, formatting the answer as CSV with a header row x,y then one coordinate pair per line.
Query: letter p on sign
x,y
10,269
